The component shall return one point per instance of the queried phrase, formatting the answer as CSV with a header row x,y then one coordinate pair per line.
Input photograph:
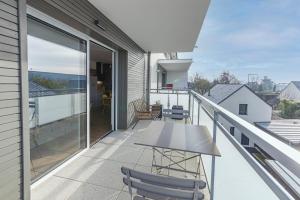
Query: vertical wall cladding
x,y
136,82
83,12
10,109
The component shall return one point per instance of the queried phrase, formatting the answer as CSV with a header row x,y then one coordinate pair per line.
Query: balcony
x,y
237,174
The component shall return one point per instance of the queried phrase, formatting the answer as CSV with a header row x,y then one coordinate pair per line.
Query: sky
x,y
45,56
249,37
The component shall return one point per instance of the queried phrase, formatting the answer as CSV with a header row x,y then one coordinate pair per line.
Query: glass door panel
x,y
57,96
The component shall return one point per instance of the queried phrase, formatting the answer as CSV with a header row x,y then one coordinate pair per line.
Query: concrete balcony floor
x,y
96,173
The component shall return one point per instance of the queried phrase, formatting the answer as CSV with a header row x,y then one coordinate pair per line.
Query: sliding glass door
x,y
57,96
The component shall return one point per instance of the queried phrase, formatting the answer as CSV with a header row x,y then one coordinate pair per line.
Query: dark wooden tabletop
x,y
175,136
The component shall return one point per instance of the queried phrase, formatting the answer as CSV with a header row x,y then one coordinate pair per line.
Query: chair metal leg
x,y
135,124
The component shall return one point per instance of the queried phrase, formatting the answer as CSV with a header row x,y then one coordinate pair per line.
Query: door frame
x,y
60,25
114,80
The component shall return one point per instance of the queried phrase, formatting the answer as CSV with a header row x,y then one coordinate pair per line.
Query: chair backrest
x,y
139,105
156,187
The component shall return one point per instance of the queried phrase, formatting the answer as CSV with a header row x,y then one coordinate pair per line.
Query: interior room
x,y
100,91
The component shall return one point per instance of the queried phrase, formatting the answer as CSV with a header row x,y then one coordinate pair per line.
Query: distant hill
x,y
56,76
70,80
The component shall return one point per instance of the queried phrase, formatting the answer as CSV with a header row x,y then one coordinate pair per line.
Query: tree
x,y
289,109
200,84
227,78
49,83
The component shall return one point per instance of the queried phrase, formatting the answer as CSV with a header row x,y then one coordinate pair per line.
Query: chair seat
x,y
155,187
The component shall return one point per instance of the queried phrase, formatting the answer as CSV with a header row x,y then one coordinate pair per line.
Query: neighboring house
x,y
242,101
280,86
291,91
169,72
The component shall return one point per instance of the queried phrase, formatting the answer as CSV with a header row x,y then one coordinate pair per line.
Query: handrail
x,y
286,155
263,173
280,151
54,92
167,91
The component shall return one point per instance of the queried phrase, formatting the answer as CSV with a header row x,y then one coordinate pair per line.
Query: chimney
x,y
208,92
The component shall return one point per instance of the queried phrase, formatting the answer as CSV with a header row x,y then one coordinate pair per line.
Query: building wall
x,y
14,127
291,92
81,15
11,155
178,79
153,71
136,82
258,110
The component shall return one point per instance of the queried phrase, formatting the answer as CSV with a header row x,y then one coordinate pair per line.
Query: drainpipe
x,y
148,78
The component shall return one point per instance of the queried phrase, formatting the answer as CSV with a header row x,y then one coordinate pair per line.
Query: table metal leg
x,y
185,163
153,159
181,164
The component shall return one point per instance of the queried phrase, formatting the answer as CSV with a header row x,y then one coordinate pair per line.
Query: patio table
x,y
166,137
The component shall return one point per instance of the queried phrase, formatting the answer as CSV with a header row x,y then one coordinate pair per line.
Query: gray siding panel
x,y
8,156
7,127
8,24
9,64
10,133
9,87
136,82
7,39
8,79
8,191
10,149
9,33
9,56
12,3
9,94
9,49
9,103
8,8
9,175
8,16
10,109
81,15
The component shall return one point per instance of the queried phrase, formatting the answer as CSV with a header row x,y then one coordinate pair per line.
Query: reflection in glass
x,y
57,96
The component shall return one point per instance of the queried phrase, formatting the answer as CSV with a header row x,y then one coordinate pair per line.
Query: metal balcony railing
x,y
239,174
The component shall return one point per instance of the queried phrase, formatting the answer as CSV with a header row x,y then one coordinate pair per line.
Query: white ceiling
x,y
157,25
176,65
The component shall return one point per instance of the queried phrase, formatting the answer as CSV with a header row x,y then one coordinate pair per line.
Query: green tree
x,y
200,84
227,78
48,83
289,109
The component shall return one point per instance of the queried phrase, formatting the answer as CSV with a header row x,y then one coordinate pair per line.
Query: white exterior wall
x,y
178,79
153,64
258,110
53,108
291,92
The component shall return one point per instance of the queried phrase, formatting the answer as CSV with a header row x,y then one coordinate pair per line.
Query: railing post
x,y
168,101
189,102
193,110
213,161
199,104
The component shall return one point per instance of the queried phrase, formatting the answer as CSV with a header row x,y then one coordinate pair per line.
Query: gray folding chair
x,y
155,187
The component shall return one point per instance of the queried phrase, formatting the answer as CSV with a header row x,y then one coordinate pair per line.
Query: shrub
x,y
289,109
